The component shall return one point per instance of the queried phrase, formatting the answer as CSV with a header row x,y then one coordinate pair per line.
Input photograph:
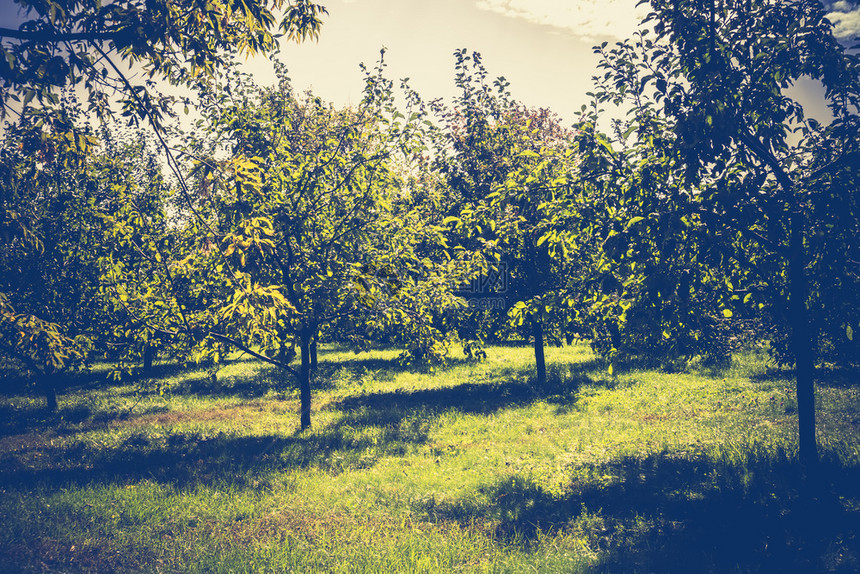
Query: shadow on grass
x,y
187,459
264,380
18,417
506,388
669,514
516,385
471,398
269,378
834,377
371,426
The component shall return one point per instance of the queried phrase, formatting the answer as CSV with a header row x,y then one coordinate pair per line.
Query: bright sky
x,y
542,47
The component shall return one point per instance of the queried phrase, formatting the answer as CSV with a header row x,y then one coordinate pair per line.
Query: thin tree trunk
x,y
148,354
540,361
305,379
533,287
45,381
802,343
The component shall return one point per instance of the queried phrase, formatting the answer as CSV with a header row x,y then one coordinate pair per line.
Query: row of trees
x,y
712,214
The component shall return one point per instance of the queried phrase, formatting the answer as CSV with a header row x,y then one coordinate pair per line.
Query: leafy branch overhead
x,y
100,47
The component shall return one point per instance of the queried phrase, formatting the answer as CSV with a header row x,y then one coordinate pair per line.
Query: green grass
x,y
470,468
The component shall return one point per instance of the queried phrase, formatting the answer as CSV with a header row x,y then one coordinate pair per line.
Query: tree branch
x,y
57,37
255,354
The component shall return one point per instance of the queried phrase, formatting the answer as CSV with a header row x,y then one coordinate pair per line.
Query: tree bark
x,y
802,342
50,392
305,378
148,354
540,361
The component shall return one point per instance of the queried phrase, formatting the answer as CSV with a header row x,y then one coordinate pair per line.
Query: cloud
x,y
588,19
846,19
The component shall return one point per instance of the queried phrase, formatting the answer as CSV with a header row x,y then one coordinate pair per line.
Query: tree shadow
x,y
16,419
393,366
472,398
828,376
264,380
670,514
329,375
838,377
506,388
187,459
71,415
371,426
774,374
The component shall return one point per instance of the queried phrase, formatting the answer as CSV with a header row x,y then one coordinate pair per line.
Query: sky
x,y
542,47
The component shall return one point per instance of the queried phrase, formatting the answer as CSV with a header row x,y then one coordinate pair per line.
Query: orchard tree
x,y
52,214
313,221
45,268
99,50
724,162
511,168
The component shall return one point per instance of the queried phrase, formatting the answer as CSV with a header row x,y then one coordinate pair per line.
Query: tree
x,y
725,155
92,48
510,169
51,209
304,217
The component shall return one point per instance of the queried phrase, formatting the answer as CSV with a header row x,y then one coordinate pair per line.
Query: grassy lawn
x,y
466,469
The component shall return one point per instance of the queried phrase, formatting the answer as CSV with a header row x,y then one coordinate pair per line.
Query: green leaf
x,y
727,313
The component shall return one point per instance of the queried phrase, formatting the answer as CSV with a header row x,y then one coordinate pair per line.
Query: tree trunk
x,y
47,385
305,378
802,343
148,354
540,361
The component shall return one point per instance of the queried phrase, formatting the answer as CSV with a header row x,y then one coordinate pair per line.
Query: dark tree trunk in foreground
x,y
802,343
540,361
305,378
